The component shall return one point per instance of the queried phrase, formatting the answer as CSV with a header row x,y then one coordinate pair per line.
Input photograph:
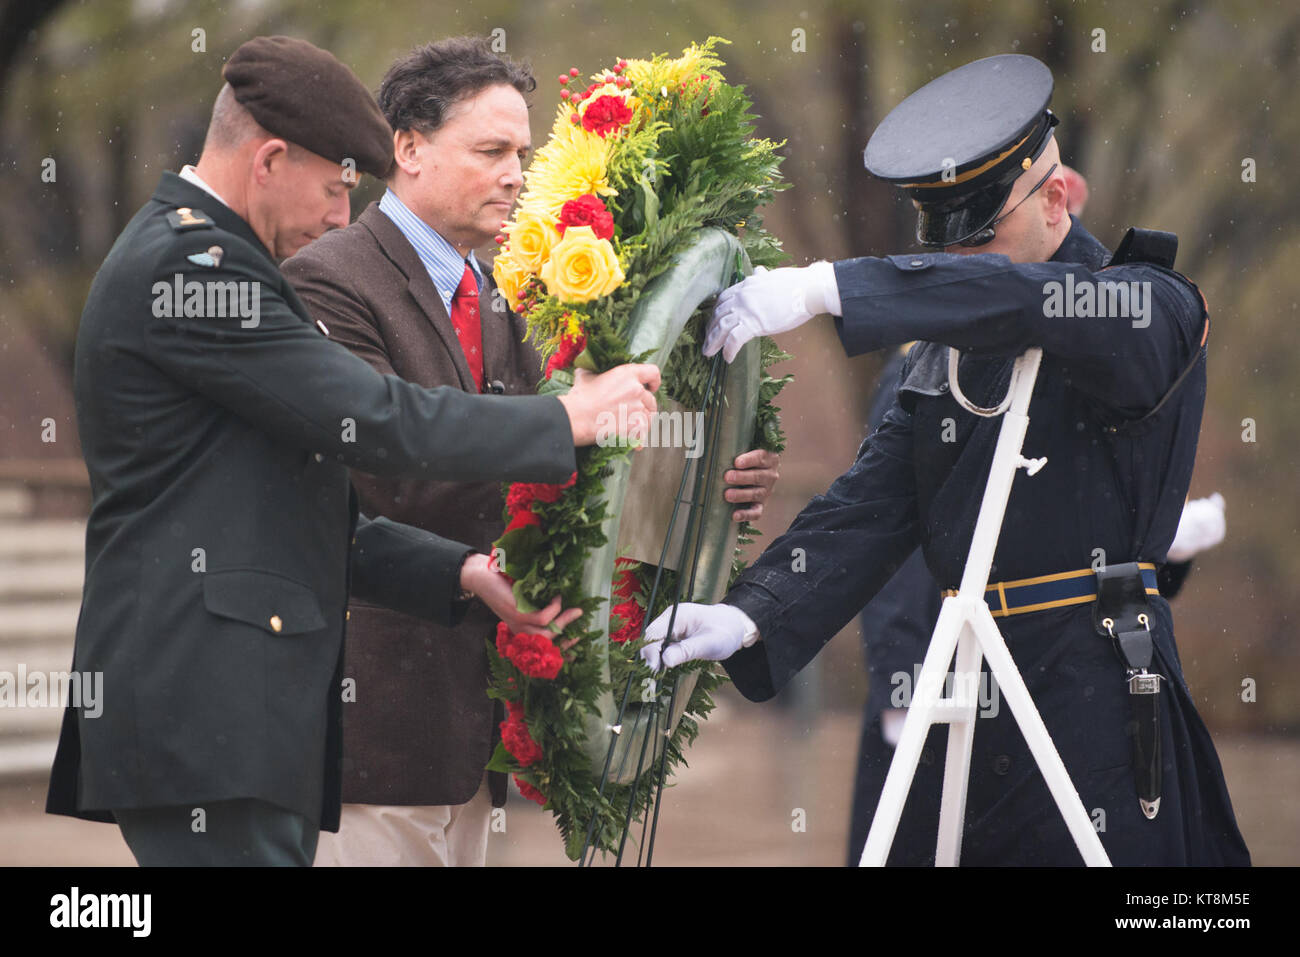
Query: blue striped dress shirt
x,y
445,265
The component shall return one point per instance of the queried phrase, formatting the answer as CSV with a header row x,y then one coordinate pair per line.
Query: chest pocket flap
x,y
272,602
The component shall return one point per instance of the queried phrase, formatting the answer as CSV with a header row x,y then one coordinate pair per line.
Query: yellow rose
x,y
581,267
510,277
531,239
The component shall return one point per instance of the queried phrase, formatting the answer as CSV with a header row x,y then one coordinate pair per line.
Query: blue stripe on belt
x,y
1024,595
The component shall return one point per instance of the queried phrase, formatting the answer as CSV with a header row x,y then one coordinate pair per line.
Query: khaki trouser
x,y
378,835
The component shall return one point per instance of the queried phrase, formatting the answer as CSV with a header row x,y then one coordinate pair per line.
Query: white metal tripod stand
x,y
966,626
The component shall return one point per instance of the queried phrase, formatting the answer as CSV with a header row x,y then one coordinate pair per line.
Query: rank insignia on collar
x,y
211,258
185,217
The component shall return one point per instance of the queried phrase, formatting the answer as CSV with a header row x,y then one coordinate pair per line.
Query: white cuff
x,y
751,630
825,286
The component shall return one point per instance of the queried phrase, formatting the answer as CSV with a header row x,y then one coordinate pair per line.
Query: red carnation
x,y
569,350
533,654
520,497
515,737
551,493
545,493
624,577
530,792
587,210
633,616
606,114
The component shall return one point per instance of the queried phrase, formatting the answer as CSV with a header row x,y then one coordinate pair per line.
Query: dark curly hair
x,y
422,86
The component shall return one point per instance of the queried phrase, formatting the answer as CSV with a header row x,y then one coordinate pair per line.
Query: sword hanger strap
x,y
1123,613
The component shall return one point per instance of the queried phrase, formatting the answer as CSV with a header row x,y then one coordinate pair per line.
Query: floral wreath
x,y
637,163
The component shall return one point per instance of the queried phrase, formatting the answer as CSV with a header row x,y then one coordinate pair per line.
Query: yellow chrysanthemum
x,y
571,164
666,75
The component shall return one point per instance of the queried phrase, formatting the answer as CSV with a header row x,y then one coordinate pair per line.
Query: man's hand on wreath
x,y
752,481
768,302
618,402
700,632
480,578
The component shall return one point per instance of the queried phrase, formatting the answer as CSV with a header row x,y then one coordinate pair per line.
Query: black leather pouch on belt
x,y
1123,614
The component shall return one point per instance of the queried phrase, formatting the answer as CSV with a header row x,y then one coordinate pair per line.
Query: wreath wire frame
x,y
698,508
713,261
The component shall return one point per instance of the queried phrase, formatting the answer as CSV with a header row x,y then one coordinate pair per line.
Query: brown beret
x,y
303,94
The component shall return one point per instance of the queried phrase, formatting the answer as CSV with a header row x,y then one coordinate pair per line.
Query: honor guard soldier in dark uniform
x,y
1116,411
218,423
897,624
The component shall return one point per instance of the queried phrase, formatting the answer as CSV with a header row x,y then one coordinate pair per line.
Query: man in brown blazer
x,y
421,728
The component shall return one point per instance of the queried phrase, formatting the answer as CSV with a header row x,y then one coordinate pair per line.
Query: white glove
x,y
769,302
1202,526
891,725
709,632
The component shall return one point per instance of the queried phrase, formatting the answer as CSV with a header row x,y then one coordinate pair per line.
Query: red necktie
x,y
469,331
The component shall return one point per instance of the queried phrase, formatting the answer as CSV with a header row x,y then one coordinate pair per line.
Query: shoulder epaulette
x,y
1146,246
184,218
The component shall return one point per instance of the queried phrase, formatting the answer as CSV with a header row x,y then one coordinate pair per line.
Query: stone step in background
x,y
42,567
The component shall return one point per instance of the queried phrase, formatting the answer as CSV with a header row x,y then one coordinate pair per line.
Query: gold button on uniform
x,y
276,624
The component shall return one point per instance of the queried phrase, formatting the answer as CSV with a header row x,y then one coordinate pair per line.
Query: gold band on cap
x,y
972,173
